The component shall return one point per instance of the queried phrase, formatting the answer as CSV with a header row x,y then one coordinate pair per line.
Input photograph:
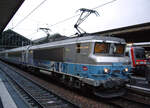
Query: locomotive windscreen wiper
x,y
84,14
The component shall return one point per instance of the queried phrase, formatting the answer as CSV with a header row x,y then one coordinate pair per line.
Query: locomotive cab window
x,y
101,48
140,54
118,49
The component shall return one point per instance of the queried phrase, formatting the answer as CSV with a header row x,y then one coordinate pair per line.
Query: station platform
x,y
6,100
1,105
140,84
9,98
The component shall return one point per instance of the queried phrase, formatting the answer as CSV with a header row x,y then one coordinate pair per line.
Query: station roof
x,y
132,34
10,39
7,10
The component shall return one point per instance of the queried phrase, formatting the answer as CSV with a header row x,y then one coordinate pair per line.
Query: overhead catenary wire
x,y
62,21
59,22
29,13
32,33
104,4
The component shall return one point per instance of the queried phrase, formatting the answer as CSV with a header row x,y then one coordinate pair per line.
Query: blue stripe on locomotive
x,y
93,71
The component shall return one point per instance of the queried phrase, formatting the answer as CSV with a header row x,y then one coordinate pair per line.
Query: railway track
x,y
124,102
35,95
72,98
128,101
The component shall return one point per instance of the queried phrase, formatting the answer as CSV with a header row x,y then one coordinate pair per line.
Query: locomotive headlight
x,y
126,69
137,62
106,70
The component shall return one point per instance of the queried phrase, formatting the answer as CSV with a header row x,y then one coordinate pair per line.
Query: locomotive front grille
x,y
116,71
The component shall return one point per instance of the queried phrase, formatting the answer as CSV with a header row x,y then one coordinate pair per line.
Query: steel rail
x,y
40,96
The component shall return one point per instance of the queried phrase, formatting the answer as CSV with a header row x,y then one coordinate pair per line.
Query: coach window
x,y
101,48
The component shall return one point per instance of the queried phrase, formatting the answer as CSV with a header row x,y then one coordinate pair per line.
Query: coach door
x,y
30,56
23,57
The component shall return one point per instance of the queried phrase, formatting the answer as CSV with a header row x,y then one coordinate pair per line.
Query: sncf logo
x,y
85,68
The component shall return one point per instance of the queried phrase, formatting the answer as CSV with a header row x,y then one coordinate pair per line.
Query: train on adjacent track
x,y
94,62
138,60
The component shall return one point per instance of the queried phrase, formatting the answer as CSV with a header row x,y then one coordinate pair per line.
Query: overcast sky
x,y
120,13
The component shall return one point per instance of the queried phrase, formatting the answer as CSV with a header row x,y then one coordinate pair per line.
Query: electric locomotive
x,y
95,62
